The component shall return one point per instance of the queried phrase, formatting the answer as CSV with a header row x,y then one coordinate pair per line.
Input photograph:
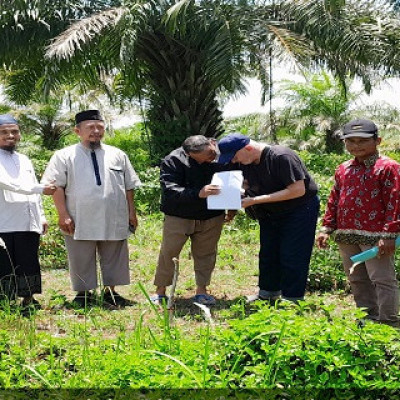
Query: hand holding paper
x,y
229,197
209,190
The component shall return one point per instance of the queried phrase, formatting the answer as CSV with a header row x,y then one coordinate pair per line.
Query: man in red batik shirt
x,y
363,211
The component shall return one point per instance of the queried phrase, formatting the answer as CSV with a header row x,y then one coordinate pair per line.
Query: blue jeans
x,y
286,243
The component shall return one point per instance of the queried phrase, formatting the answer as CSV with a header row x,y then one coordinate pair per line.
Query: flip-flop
x,y
205,299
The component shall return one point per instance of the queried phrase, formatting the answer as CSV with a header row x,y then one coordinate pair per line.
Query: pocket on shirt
x,y
118,175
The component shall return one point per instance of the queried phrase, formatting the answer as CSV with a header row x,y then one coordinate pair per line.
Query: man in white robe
x,y
22,219
95,204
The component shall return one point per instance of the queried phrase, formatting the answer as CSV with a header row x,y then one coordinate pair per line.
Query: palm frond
x,y
82,32
175,15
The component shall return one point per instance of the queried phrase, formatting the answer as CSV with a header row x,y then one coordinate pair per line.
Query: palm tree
x,y
26,28
348,37
180,57
45,120
321,104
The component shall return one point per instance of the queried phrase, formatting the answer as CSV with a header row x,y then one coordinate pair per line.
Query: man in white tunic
x,y
95,204
22,218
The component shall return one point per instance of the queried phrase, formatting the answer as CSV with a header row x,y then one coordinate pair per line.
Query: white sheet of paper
x,y
231,185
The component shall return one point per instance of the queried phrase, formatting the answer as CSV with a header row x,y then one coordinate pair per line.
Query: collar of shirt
x,y
9,160
88,149
369,162
6,153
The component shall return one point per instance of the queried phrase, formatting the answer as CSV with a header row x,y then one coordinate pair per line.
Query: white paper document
x,y
230,183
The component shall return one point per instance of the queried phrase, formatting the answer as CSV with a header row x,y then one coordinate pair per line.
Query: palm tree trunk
x,y
333,144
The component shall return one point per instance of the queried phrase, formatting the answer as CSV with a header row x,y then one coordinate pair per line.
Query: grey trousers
x,y
373,283
82,259
204,236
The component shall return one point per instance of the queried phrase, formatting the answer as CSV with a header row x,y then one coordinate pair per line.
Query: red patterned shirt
x,y
364,204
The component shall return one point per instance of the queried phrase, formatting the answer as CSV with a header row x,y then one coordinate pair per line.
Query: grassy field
x,y
315,346
318,349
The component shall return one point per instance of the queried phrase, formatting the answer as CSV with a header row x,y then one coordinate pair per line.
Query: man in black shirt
x,y
185,178
283,197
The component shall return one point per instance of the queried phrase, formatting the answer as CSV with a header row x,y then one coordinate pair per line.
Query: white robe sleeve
x,y
6,183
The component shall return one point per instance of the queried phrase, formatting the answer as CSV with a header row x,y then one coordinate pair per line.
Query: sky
x,y
386,92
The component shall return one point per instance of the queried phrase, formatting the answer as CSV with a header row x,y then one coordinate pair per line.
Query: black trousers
x,y
286,243
19,265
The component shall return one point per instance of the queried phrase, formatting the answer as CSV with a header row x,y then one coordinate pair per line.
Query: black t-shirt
x,y
279,167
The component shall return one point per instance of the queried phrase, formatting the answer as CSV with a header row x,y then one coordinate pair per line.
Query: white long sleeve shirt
x,y
21,208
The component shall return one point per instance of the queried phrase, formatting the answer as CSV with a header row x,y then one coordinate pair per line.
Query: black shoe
x,y
115,299
83,299
30,302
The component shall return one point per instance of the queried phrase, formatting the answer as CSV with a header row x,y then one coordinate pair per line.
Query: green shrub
x,y
147,197
310,346
135,145
166,136
326,272
52,250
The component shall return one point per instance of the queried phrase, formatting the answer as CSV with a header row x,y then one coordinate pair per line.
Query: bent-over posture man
x,y
185,182
283,197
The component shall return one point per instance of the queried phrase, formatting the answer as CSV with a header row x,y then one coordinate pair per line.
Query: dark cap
x,y
88,115
7,119
229,145
363,128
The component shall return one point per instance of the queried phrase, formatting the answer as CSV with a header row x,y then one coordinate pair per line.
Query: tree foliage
x,y
26,27
348,37
321,104
180,58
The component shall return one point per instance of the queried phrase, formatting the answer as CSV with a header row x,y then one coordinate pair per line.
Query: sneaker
x,y
205,299
83,299
255,297
159,299
115,299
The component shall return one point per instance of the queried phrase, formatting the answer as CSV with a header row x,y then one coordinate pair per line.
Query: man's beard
x,y
94,145
10,148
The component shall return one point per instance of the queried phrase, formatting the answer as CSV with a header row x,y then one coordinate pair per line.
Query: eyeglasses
x,y
6,132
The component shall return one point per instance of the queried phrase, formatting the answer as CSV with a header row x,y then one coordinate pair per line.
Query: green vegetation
x,y
286,349
310,346
320,105
178,60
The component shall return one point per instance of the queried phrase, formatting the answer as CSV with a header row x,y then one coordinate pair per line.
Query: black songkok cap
x,y
88,115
